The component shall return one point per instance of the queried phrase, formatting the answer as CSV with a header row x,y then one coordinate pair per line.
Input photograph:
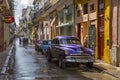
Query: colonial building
x,y
93,21
4,7
86,21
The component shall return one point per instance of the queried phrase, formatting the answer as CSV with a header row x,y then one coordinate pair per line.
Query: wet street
x,y
32,65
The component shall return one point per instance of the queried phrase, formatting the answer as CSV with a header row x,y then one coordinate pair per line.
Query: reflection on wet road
x,y
32,65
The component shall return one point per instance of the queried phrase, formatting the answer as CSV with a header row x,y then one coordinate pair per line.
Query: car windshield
x,y
39,42
69,41
46,42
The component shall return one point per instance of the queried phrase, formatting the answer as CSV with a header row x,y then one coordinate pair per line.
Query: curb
x,y
105,71
9,53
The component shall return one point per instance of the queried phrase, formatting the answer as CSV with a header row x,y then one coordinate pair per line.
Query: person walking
x,y
20,40
86,41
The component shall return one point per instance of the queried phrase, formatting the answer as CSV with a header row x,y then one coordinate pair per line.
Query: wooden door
x,y
101,38
79,31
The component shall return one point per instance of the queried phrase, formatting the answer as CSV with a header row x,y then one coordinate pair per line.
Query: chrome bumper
x,y
80,58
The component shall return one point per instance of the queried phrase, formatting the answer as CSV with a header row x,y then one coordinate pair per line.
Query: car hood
x,y
75,49
72,46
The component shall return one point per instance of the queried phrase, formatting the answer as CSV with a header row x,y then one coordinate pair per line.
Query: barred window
x,y
92,7
85,6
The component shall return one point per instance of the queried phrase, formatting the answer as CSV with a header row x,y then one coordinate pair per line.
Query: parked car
x,y
38,45
68,49
44,46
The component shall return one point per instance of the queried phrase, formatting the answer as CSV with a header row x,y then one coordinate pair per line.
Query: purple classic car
x,y
68,49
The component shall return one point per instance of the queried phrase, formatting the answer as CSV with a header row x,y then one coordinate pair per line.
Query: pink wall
x,y
114,22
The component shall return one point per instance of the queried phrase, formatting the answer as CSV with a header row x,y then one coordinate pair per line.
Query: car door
x,y
56,48
53,47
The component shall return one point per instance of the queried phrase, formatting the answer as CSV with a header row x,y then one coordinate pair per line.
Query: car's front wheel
x,y
61,63
89,64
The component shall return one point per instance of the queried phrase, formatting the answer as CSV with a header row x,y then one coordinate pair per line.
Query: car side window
x,y
53,42
57,41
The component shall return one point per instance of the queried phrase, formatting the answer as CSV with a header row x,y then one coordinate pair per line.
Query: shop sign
x,y
9,19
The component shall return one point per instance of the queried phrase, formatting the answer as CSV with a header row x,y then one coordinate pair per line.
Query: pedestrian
x,y
20,40
86,41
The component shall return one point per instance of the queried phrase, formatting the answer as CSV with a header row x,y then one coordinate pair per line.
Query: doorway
x,y
92,37
79,31
101,38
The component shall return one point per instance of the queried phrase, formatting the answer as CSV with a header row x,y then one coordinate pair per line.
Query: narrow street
x,y
32,65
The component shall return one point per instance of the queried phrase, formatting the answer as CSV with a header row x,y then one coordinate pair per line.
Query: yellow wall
x,y
106,32
96,49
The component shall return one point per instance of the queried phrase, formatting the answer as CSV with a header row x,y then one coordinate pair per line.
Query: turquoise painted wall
x,y
64,16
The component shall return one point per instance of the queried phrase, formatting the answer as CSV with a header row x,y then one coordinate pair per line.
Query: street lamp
x,y
65,8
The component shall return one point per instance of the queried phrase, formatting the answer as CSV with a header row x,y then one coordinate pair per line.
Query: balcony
x,y
47,5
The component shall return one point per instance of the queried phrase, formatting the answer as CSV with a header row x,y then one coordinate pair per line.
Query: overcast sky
x,y
19,5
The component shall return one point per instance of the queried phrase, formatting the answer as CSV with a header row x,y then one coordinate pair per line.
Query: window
x,y
85,6
69,41
55,41
92,7
69,17
61,20
101,6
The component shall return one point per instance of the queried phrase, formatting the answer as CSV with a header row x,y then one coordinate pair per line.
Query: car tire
x,y
49,57
89,64
35,48
42,52
61,63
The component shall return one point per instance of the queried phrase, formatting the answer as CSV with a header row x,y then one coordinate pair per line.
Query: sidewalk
x,y
107,68
3,56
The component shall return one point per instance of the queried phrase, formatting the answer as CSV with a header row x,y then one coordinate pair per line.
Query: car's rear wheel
x,y
61,63
35,48
89,64
41,51
49,57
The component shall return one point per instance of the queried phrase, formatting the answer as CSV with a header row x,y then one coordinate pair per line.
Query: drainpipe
x,y
118,36
75,34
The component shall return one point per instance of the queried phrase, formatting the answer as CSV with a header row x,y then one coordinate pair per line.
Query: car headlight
x,y
93,54
66,51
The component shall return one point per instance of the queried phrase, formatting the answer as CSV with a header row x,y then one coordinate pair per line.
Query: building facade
x,y
93,21
96,21
4,6
86,22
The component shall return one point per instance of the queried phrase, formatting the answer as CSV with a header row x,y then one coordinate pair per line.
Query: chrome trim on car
x,y
80,58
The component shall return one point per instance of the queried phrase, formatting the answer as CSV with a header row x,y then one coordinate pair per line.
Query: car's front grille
x,y
77,56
